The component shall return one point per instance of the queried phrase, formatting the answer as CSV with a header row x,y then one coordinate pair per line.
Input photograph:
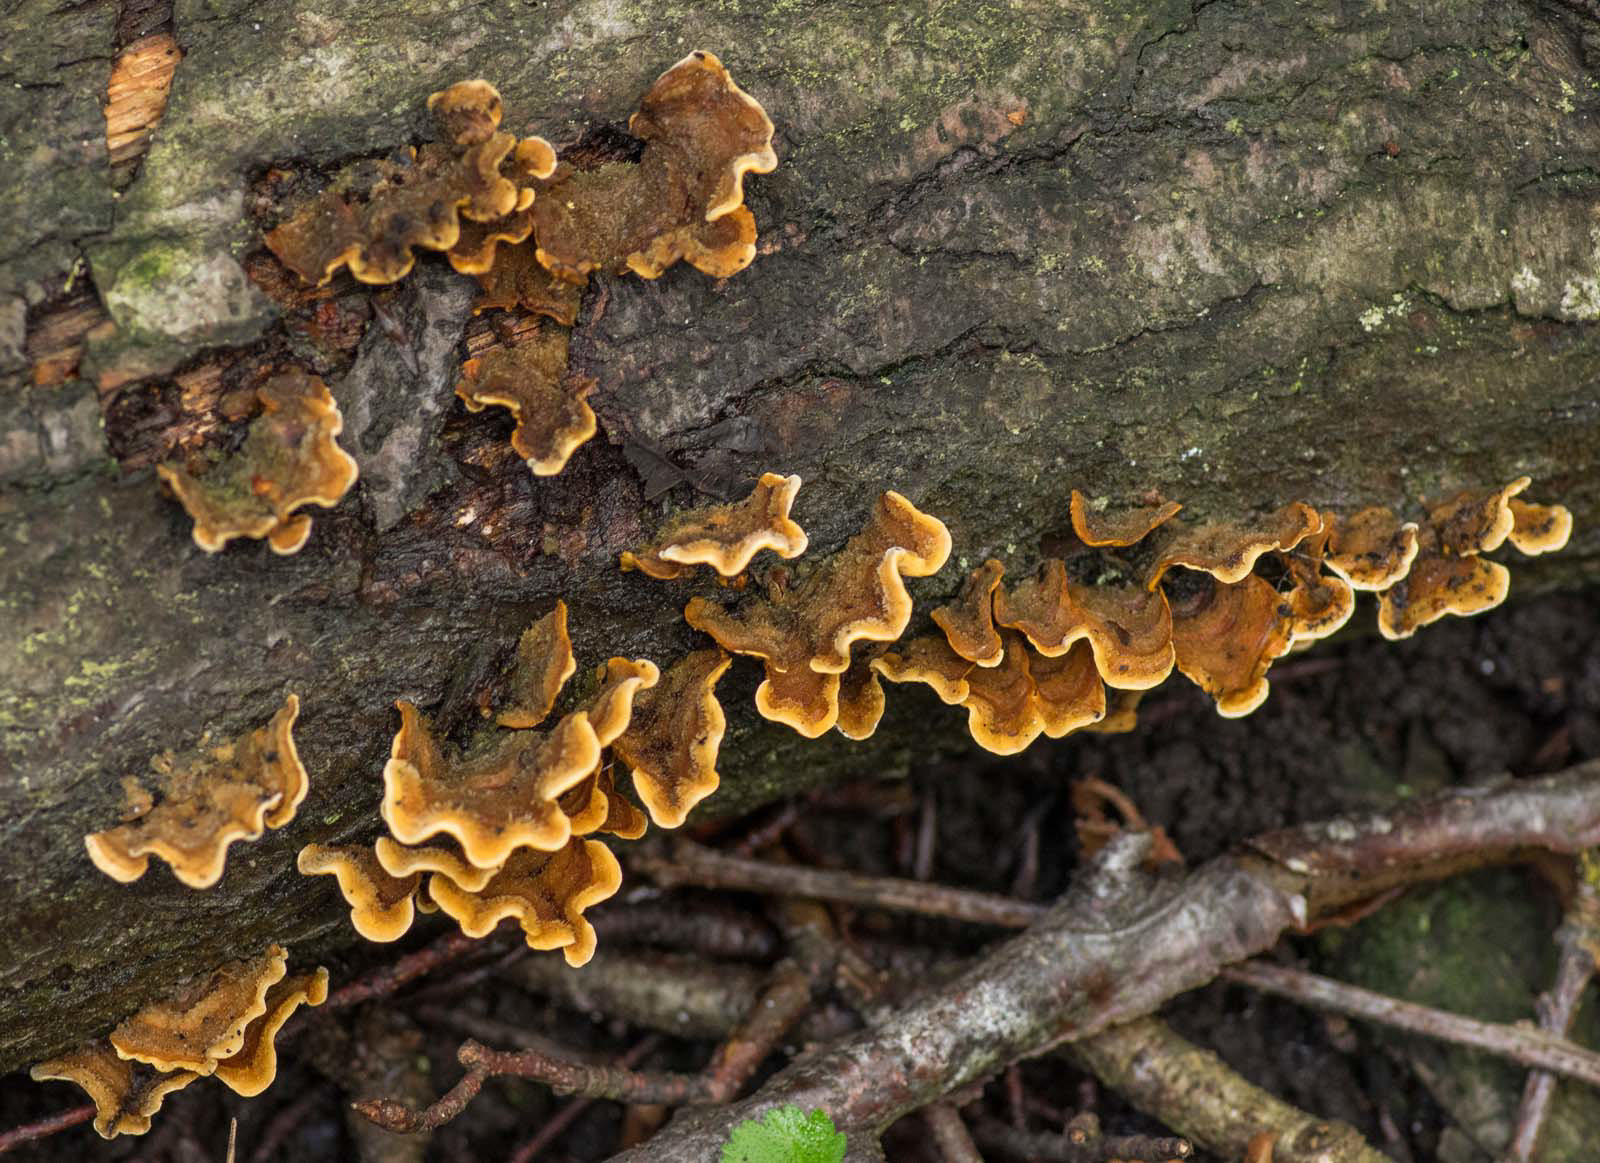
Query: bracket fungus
x,y
968,621
671,744
596,805
290,458
861,701
1537,529
377,212
545,891
1128,628
1371,549
207,800
1226,635
1097,526
251,1069
804,633
126,1095
492,801
543,666
725,537
441,855
1228,550
701,135
529,378
381,902
205,1020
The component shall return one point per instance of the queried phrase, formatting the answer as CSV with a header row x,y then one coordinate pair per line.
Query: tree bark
x,y
1241,253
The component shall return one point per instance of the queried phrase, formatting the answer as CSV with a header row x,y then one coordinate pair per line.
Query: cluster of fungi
x,y
505,826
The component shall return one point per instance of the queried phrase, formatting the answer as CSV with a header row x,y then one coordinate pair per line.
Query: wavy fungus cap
x,y
251,1069
290,458
968,621
544,663
206,1019
381,903
1128,628
529,378
125,1094
208,799
725,537
1228,550
672,740
1097,524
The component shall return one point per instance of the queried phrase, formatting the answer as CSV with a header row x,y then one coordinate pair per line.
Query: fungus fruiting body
x,y
381,907
251,1069
968,621
207,800
125,1094
1099,526
1229,550
529,378
726,537
1128,628
205,1021
544,663
290,458
671,744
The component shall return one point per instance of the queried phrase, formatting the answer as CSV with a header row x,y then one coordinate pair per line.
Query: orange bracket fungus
x,y
1097,527
804,634
684,198
125,1094
381,907
442,855
968,622
206,801
1228,550
610,709
377,212
547,893
493,801
544,664
596,805
205,1021
1226,636
529,378
1372,549
861,701
726,537
289,458
1537,529
251,1069
671,744
1128,628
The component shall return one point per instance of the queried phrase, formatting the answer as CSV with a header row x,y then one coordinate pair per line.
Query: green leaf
x,y
786,1135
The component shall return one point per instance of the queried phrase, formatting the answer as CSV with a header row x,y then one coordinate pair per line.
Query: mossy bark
x,y
1242,253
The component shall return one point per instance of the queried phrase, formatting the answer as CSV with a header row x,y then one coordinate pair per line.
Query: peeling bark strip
x,y
1067,978
1113,246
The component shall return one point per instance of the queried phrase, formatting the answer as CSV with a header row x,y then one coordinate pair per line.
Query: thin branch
x,y
44,1128
1066,978
950,1134
1520,1043
691,864
1198,1095
573,1110
386,980
1579,938
1082,1143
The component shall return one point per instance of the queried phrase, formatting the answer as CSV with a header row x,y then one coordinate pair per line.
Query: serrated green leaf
x,y
786,1135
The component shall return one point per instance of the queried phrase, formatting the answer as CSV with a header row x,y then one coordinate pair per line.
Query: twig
x,y
950,1134
1521,1044
571,1111
44,1128
406,969
689,863
711,931
1579,937
1067,977
1196,1094
780,1006
1082,1143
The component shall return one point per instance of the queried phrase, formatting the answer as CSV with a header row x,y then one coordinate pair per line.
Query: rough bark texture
x,y
1241,252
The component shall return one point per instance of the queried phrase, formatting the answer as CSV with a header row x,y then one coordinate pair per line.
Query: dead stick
x,y
950,1134
1579,937
1087,1149
405,969
1521,1044
44,1128
691,864
1067,977
570,1113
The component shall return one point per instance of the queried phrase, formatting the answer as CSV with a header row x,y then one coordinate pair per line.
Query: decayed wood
x,y
1240,254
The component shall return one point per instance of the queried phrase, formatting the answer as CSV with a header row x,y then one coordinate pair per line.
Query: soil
x,y
1351,725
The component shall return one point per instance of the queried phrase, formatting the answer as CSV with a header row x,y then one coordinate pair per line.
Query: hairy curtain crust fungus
x,y
1097,525
702,134
381,903
547,893
931,661
492,801
1128,628
1371,549
610,709
672,741
443,856
289,458
125,1094
251,1069
1227,635
517,280
968,622
544,664
1474,520
726,537
375,213
205,1021
596,805
207,800
861,701
804,634
1228,550
1537,529
530,379
1437,586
